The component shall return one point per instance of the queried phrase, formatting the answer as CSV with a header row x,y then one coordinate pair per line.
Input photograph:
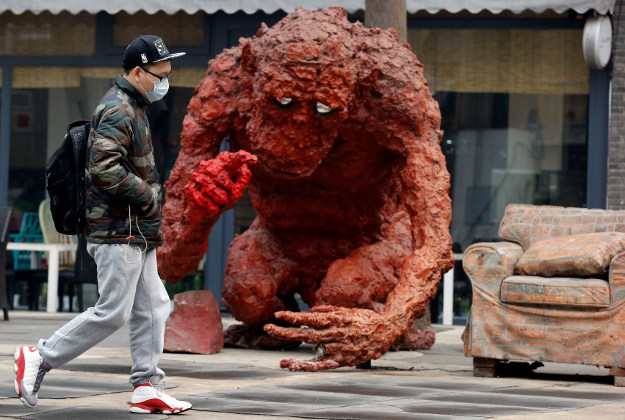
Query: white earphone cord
x,y
136,250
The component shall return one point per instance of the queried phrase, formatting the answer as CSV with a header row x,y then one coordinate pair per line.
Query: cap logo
x,y
160,46
144,59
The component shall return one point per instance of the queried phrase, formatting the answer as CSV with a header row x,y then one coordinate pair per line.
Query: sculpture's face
x,y
296,115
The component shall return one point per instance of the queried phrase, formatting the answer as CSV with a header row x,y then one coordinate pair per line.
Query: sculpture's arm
x,y
184,243
200,187
425,182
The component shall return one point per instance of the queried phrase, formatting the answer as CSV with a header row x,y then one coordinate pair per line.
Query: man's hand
x,y
343,336
217,184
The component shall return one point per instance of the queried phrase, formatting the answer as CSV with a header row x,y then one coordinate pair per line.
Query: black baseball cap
x,y
147,49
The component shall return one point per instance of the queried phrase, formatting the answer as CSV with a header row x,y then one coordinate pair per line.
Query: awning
x,y
498,6
271,6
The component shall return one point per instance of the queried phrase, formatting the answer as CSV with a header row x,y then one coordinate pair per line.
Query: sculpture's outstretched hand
x,y
217,184
344,336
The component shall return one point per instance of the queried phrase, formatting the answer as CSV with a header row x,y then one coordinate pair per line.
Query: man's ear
x,y
134,73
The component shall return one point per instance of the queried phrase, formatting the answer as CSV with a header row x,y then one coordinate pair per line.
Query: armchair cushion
x,y
587,254
560,291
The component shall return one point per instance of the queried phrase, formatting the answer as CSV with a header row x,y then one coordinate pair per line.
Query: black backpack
x,y
65,179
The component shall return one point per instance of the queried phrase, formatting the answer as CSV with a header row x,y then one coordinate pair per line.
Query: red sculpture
x,y
350,185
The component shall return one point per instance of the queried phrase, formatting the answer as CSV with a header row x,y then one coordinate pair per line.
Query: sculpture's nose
x,y
300,119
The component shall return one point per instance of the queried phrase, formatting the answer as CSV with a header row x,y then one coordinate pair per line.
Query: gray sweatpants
x,y
129,292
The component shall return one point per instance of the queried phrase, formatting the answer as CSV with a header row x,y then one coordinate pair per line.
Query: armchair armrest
x,y
488,263
617,279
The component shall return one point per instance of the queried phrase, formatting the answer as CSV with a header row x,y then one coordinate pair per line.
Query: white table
x,y
53,251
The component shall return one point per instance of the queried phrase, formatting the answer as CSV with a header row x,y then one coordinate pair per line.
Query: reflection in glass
x,y
509,148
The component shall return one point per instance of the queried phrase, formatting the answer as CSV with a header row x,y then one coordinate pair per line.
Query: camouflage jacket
x,y
121,175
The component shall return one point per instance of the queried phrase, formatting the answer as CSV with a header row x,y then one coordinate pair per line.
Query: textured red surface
x,y
353,205
195,324
416,339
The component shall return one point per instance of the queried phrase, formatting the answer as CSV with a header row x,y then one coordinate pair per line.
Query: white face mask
x,y
160,89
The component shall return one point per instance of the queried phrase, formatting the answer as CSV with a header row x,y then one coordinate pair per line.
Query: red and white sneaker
x,y
150,398
29,370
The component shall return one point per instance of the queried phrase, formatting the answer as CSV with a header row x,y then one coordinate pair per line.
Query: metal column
x,y
5,134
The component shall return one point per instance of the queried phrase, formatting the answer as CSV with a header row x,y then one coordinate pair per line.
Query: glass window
x,y
514,107
511,148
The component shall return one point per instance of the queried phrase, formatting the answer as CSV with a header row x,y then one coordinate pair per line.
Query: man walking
x,y
123,229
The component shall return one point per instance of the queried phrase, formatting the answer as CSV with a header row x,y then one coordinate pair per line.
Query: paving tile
x,y
364,397
349,387
213,371
563,393
470,410
65,385
93,413
513,400
366,413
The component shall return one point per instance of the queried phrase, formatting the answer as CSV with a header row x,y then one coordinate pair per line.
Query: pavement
x,y
249,385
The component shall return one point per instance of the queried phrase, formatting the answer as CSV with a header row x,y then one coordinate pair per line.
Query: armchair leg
x,y
484,367
619,376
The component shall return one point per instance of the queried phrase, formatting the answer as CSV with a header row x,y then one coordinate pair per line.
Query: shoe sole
x,y
139,410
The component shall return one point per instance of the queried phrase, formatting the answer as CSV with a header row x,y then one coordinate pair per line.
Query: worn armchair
x,y
553,290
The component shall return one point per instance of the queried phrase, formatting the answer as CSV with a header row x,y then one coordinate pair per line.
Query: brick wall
x,y
616,143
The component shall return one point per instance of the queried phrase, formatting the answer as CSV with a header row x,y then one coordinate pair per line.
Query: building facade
x,y
525,118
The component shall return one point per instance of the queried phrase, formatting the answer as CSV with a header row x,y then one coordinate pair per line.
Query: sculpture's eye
x,y
323,109
284,102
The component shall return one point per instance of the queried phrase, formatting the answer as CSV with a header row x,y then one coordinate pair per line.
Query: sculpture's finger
x,y
219,196
200,196
313,320
212,167
205,189
307,335
223,180
300,365
206,172
332,349
240,181
243,176
248,159
233,161
325,308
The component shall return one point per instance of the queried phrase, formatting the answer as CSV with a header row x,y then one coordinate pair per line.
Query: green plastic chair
x,y
30,231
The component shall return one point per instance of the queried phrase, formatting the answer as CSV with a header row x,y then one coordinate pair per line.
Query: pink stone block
x,y
195,324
